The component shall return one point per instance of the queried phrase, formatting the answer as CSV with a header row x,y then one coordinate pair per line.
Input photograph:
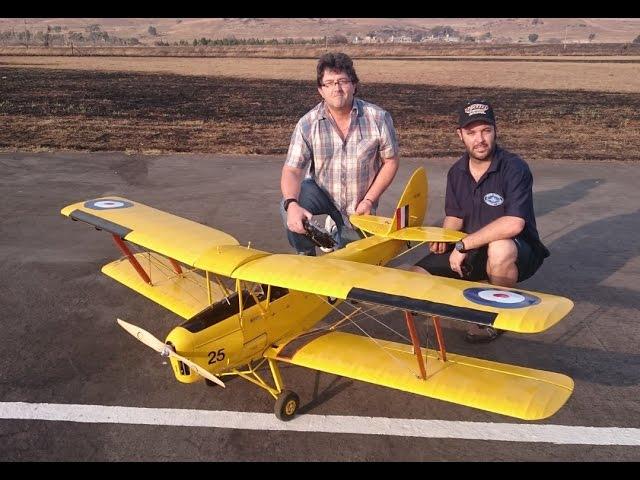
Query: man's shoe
x,y
482,334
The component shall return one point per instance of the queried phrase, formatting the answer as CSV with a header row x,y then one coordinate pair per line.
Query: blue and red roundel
x,y
493,297
107,204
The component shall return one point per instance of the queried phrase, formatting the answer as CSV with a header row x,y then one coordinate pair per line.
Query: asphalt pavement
x,y
61,344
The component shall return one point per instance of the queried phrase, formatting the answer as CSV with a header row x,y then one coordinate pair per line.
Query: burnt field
x,y
44,109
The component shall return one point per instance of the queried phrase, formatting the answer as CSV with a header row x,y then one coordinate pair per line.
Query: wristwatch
x,y
460,247
287,202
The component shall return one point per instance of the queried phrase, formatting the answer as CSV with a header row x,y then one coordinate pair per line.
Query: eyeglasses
x,y
341,81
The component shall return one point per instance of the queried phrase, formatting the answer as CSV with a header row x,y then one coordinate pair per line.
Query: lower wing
x,y
506,389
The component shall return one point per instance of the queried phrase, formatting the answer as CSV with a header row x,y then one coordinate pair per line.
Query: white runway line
x,y
505,432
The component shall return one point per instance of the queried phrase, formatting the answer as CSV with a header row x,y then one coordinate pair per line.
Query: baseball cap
x,y
475,110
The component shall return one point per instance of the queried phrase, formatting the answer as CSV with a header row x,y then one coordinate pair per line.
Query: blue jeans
x,y
317,202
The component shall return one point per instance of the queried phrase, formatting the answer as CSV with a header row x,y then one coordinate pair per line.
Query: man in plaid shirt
x,y
343,155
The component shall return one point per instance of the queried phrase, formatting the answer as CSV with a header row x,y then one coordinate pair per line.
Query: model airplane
x,y
244,308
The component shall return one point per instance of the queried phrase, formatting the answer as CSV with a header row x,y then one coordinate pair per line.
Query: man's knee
x,y
501,253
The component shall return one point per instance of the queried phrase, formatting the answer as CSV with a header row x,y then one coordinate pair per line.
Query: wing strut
x,y
122,246
416,342
415,339
176,266
440,337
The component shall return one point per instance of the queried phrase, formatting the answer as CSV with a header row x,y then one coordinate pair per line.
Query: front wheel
x,y
286,405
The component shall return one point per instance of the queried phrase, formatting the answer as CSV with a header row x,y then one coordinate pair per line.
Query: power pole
x,y
564,44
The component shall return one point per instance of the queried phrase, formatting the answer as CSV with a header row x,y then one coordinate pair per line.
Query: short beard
x,y
489,154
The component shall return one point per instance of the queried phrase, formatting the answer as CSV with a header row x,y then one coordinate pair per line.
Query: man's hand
x,y
295,215
455,261
438,247
364,207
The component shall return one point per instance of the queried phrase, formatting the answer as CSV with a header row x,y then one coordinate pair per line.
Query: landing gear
x,y
287,402
286,405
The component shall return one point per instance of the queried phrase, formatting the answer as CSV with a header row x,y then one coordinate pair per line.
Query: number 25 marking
x,y
216,356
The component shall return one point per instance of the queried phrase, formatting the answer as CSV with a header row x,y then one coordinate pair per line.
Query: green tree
x,y
637,39
533,37
152,31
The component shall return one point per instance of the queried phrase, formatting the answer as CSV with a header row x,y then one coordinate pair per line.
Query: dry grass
x,y
93,111
567,75
377,50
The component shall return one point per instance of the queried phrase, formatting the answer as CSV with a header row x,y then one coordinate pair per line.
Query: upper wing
x,y
184,240
507,389
515,310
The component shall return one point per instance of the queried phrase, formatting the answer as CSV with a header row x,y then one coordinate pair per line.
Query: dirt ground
x,y
49,109
601,74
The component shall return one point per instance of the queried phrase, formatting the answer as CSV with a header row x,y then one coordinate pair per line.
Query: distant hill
x,y
150,31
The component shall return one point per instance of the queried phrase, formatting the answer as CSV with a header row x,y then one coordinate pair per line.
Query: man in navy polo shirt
x,y
489,196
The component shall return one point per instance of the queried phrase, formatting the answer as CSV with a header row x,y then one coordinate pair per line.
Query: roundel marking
x,y
107,204
492,297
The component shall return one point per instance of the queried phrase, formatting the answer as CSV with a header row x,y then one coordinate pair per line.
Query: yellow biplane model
x,y
245,308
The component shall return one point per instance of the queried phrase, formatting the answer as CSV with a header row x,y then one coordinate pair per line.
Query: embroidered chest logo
x,y
493,199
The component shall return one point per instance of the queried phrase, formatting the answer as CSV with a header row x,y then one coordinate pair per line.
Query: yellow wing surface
x,y
186,241
506,389
179,238
515,310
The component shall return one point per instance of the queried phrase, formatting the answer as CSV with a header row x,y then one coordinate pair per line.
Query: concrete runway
x,y
62,345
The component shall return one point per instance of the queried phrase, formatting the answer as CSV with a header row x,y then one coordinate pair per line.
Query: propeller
x,y
165,350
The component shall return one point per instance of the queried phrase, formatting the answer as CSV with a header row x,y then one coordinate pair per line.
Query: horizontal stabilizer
x,y
381,227
505,389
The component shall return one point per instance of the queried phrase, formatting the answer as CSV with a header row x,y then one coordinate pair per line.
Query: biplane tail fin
x,y
166,350
409,212
412,206
406,223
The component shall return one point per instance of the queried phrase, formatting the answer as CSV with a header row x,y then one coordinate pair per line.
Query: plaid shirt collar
x,y
357,108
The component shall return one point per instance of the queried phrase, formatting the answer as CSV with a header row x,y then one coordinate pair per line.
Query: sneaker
x,y
482,334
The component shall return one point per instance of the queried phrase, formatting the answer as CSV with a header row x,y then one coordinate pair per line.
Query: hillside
x,y
497,30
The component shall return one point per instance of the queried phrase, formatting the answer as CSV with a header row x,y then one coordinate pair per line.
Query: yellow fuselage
x,y
220,343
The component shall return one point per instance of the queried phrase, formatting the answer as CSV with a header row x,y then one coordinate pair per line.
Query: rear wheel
x,y
286,405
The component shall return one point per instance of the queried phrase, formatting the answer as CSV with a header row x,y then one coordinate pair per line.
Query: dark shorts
x,y
475,265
